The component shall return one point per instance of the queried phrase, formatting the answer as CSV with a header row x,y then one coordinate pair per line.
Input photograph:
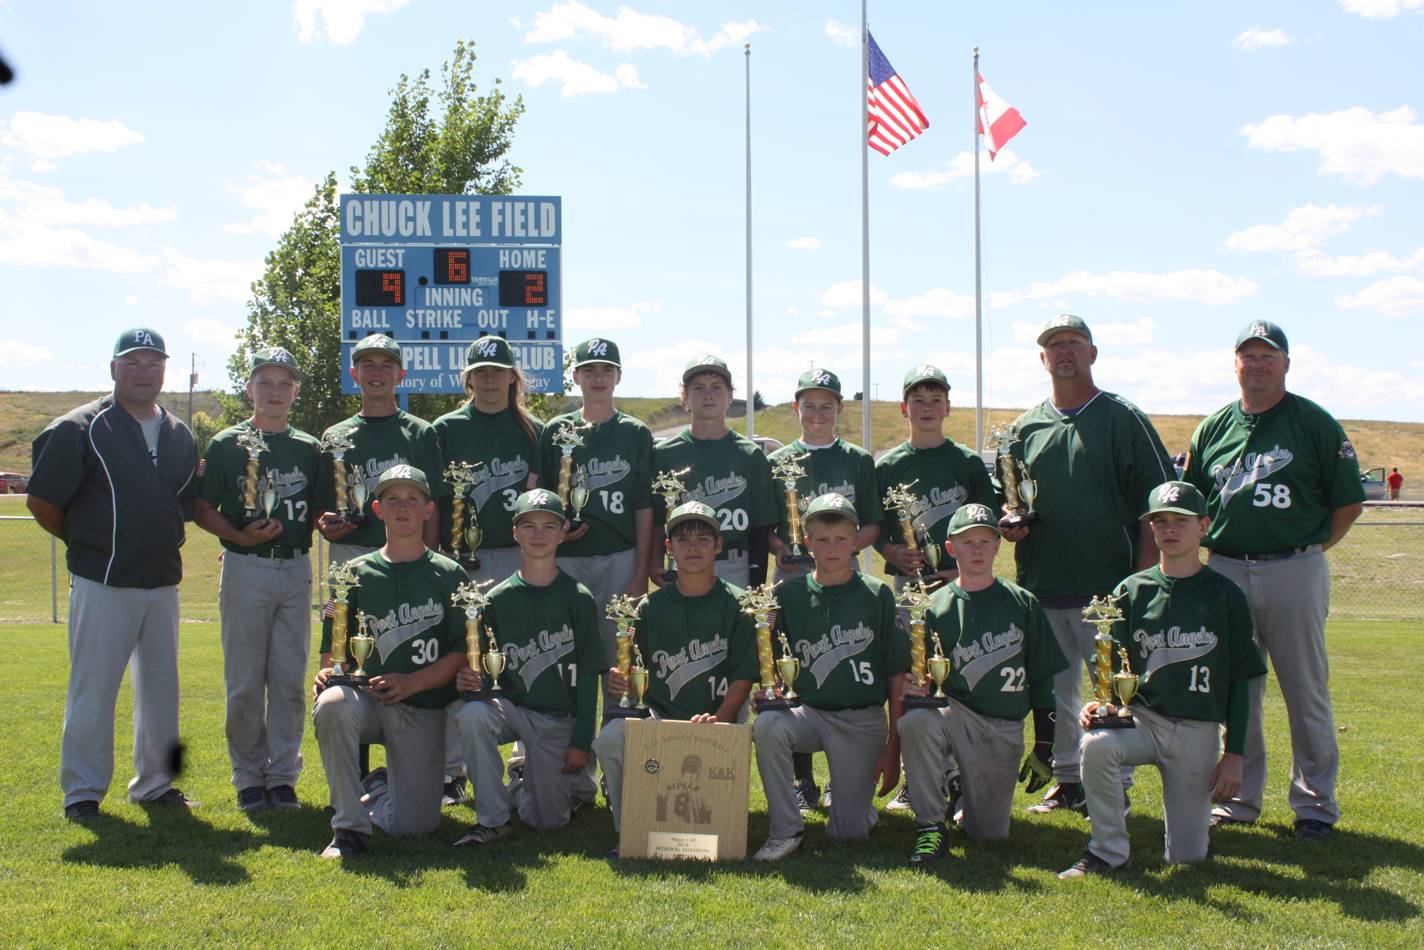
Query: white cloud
x,y
1305,227
631,30
575,78
1394,297
1357,144
1257,38
1138,332
793,311
1360,265
20,353
936,302
209,280
604,319
805,243
961,167
131,299
45,137
275,193
846,294
1208,287
846,334
40,227
1380,9
841,34
341,20
211,331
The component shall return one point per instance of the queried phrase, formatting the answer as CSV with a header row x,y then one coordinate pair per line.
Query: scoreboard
x,y
437,272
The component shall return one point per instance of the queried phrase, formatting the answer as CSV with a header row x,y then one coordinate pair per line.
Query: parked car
x,y
1375,488
767,443
13,483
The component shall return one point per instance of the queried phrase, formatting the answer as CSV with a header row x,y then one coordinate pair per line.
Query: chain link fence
x,y
1377,572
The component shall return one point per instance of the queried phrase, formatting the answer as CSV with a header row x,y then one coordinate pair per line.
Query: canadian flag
x,y
998,121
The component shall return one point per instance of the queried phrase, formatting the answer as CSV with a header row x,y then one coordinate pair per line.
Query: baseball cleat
x,y
1087,865
82,812
345,844
174,796
931,844
777,848
1219,820
900,802
1067,795
826,797
283,796
251,798
456,791
484,834
1313,829
807,795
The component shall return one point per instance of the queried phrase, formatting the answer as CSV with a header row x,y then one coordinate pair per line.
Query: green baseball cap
x,y
402,475
273,356
377,343
707,363
1064,321
831,504
973,516
1265,331
489,351
693,511
538,499
139,338
597,350
924,373
818,379
1180,497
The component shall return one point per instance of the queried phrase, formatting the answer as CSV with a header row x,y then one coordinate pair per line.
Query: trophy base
x,y
1112,722
1024,519
925,702
476,696
355,520
775,705
346,679
796,560
468,561
670,576
626,712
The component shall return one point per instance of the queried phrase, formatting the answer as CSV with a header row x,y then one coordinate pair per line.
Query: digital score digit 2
x,y
452,265
380,288
523,288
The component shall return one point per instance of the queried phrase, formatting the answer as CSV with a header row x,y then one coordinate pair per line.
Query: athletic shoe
x,y
283,796
1088,864
807,794
1067,795
173,796
484,834
516,772
956,797
931,844
251,798
579,804
826,797
456,791
777,848
1219,820
374,784
82,812
1312,829
345,844
612,854
900,802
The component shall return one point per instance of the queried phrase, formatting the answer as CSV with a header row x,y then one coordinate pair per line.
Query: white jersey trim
x,y
113,497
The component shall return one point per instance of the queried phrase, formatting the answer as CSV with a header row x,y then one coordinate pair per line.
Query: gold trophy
x,y
788,668
916,601
461,476
579,494
338,444
1125,683
269,494
938,666
567,439
1019,489
902,501
787,470
253,441
638,682
760,602
362,642
494,662
669,485
623,610
472,600
1102,613
341,578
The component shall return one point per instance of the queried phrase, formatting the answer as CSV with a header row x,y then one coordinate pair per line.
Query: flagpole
x,y
978,297
751,392
864,234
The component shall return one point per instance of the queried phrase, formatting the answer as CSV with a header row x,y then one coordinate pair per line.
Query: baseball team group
x,y
701,519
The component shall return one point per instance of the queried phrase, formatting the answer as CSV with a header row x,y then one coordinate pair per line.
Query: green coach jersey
x,y
617,458
552,648
729,474
415,625
693,647
1189,640
841,468
509,466
1003,655
942,479
381,442
1094,468
292,461
1271,480
848,638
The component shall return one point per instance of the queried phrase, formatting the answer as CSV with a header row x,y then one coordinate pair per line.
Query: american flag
x,y
895,116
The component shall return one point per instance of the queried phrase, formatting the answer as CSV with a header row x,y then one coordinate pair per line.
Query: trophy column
x,y
760,602
342,580
472,600
916,601
622,610
1102,613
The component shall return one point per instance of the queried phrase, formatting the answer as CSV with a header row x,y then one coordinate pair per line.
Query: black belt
x,y
1272,555
279,552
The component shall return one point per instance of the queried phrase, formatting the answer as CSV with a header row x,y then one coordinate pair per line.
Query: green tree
x,y
204,428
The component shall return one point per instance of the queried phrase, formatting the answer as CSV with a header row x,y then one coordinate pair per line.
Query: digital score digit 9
x,y
380,288
523,288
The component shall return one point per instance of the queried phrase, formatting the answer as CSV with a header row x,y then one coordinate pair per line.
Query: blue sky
x,y
1185,169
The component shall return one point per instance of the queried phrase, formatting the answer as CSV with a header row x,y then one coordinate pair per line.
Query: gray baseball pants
x,y
605,576
1290,600
1075,639
110,628
988,751
544,799
853,739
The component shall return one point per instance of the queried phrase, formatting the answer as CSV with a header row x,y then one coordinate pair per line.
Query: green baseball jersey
x,y
839,467
729,474
1094,469
942,479
1271,480
292,461
693,647
1188,639
617,457
415,624
1003,655
509,466
552,648
848,638
379,443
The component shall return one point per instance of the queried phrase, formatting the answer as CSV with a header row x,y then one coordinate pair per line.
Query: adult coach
x,y
1096,458
113,480
1282,486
